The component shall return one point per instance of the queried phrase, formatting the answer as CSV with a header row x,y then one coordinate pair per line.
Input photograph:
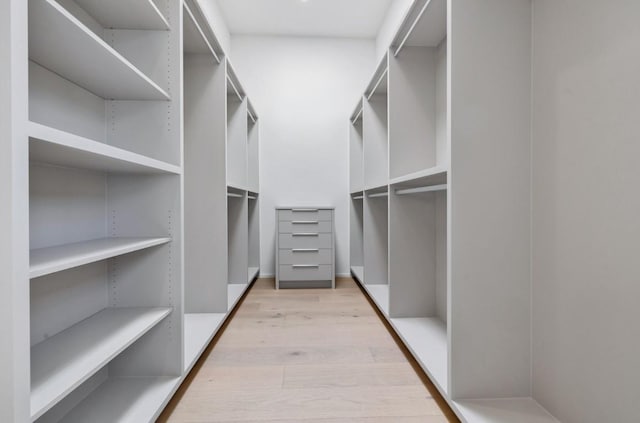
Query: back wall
x,y
304,90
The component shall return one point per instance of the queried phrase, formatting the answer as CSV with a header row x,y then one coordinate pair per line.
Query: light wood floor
x,y
308,356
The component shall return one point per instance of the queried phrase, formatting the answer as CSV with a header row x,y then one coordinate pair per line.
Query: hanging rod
x,y
234,88
377,84
359,197
251,197
408,34
355,119
195,21
378,194
418,190
234,195
251,116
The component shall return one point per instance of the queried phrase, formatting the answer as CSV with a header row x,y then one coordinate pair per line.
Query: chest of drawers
x,y
305,247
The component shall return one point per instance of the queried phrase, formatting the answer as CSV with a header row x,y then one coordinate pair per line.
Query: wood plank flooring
x,y
305,356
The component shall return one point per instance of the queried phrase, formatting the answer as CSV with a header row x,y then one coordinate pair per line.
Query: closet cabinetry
x,y
102,183
440,203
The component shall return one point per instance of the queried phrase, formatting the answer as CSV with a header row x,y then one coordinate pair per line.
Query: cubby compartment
x,y
238,240
418,271
237,132
356,150
356,252
254,235
376,246
375,129
205,286
418,135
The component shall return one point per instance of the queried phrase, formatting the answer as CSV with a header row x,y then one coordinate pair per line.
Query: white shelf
x,y
199,329
195,41
44,261
426,338
427,27
358,272
131,400
234,292
61,43
64,361
508,410
253,273
125,14
49,145
380,295
432,176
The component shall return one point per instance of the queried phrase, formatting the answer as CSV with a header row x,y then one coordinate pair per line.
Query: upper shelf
x,y
425,25
195,41
379,81
61,43
49,145
125,14
62,362
44,261
432,176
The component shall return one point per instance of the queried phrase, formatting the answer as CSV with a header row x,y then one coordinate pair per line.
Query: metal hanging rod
x,y
377,84
234,195
359,197
378,194
419,190
233,86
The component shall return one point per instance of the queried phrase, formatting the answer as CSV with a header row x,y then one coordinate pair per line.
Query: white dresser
x,y
305,247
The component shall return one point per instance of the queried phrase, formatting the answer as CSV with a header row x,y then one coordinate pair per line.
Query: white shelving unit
x,y
199,329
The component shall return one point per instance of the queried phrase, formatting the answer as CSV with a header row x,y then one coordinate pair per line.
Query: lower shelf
x,y
509,410
199,329
426,338
380,295
134,400
358,272
234,292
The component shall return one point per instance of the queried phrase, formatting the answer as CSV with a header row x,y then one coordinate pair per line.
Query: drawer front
x,y
290,272
308,256
288,241
297,226
304,214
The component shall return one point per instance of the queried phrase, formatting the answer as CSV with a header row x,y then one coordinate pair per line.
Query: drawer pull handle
x,y
305,250
305,266
306,234
305,222
304,210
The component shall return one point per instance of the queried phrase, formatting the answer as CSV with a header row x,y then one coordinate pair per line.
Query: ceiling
x,y
310,18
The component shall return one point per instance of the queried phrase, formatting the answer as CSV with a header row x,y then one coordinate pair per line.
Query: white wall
x,y
303,89
392,21
586,209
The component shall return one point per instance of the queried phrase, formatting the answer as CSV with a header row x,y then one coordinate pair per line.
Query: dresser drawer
x,y
299,273
304,214
296,226
288,241
306,256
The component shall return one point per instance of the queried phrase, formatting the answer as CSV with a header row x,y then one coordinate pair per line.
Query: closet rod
x,y
421,189
251,197
377,84
408,34
195,21
359,197
253,119
355,119
234,88
378,194
234,195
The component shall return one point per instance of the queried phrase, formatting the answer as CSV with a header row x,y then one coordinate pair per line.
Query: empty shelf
x,y
426,338
253,273
432,176
380,296
195,41
61,43
508,410
125,14
421,190
234,292
199,329
125,400
44,261
49,145
62,362
358,272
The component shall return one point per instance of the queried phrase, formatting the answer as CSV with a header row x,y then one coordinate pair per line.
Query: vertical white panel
x,y
356,238
14,245
376,141
237,131
376,241
442,136
490,198
205,185
238,238
356,156
253,164
586,92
